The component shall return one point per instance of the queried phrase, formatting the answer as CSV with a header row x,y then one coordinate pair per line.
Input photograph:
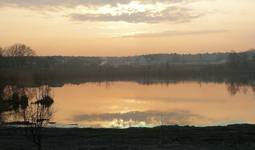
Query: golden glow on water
x,y
124,104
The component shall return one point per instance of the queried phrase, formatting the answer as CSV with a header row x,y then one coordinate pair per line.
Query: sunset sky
x,y
128,27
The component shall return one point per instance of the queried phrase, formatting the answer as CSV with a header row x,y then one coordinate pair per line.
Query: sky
x,y
128,27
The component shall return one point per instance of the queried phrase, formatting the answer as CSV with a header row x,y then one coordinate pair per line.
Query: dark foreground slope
x,y
236,137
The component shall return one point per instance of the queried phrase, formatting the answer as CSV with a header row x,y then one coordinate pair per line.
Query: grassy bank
x,y
241,137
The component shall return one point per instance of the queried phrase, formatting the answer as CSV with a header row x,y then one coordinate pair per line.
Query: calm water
x,y
125,104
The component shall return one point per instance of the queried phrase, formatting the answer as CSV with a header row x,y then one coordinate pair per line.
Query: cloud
x,y
130,11
136,117
171,14
74,3
173,33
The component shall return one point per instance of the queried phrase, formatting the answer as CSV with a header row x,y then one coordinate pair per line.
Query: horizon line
x,y
137,55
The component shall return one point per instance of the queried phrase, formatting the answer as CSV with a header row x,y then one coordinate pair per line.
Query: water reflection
x,y
136,118
26,106
234,88
128,104
125,104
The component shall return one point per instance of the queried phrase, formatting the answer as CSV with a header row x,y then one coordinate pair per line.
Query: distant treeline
x,y
35,69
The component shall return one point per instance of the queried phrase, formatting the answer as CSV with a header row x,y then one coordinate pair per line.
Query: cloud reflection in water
x,y
138,119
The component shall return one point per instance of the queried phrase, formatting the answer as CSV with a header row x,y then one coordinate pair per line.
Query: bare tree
x,y
38,115
1,51
253,88
1,108
18,50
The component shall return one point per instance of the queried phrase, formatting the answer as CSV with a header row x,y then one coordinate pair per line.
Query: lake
x,y
122,104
